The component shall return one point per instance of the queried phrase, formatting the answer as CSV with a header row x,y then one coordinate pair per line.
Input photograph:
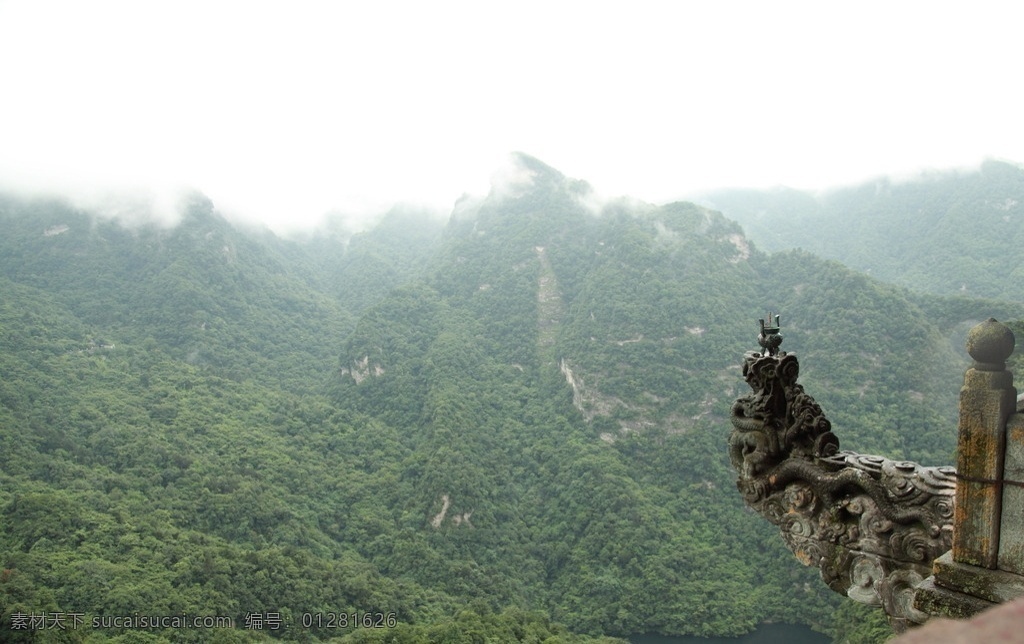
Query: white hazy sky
x,y
282,111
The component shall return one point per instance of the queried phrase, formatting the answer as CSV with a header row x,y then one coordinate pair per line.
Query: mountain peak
x,y
524,174
533,164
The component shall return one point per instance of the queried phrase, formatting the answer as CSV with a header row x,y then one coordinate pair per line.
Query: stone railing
x,y
914,540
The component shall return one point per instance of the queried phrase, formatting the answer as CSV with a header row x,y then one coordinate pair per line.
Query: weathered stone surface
x,y
872,525
1011,520
986,399
933,599
990,344
994,586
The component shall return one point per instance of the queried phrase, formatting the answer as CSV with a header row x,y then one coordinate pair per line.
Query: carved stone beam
x,y
872,525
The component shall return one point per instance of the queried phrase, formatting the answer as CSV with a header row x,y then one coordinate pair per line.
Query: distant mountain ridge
x,y
945,233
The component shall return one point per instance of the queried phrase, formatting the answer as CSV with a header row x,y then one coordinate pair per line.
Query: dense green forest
x,y
507,427
947,233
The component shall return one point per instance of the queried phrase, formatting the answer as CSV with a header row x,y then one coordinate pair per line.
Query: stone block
x,y
1011,540
942,602
994,586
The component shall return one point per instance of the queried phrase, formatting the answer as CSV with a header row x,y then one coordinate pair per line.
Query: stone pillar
x,y
986,401
985,564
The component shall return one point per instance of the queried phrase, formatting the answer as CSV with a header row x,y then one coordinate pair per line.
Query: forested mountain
x,y
513,427
943,232
203,290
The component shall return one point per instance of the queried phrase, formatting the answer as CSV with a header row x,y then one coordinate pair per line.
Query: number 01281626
x,y
349,620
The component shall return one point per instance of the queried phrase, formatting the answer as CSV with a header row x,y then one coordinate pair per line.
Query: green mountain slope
x,y
944,233
203,290
526,427
573,371
359,268
512,493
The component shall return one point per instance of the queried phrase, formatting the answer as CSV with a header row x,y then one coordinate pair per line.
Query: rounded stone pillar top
x,y
990,344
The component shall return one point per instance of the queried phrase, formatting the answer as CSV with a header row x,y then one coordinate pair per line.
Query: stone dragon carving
x,y
872,525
